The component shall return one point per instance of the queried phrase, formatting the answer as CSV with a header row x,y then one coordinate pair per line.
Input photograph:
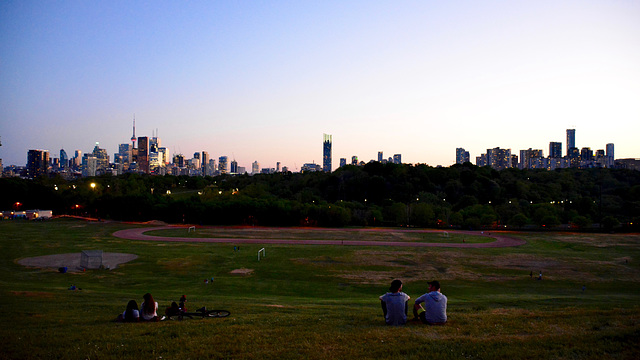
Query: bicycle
x,y
201,313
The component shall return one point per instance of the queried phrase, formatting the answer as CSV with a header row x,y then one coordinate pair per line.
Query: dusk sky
x,y
263,80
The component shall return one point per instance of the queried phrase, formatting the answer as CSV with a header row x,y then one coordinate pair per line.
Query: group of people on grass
x,y
149,310
430,308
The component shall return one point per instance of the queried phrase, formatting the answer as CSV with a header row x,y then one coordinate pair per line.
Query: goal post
x,y
263,253
191,228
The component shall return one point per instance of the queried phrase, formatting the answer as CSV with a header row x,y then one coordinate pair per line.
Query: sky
x,y
264,80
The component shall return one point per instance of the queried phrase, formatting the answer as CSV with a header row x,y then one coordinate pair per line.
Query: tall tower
x,y
133,137
571,140
326,153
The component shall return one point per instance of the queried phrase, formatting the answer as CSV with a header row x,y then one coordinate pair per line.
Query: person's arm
x,y
384,307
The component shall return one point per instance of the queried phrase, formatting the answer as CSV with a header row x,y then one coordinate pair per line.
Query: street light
x,y
93,185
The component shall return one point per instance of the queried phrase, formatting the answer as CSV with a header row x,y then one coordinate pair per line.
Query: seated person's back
x,y
394,304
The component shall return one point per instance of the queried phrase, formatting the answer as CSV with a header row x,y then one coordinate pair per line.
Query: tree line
x,y
376,194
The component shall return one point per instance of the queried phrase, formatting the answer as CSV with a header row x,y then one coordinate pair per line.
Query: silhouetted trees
x,y
376,194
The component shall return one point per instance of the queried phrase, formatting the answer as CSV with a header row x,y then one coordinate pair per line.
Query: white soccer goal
x,y
191,228
445,234
263,253
91,259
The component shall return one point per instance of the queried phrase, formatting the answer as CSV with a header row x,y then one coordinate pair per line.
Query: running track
x,y
501,240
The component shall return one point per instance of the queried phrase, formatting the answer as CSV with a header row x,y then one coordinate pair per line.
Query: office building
x,y
143,154
571,140
89,165
255,167
326,153
222,165
37,163
380,156
102,159
234,167
205,163
343,162
178,160
64,159
529,159
462,156
124,151
354,160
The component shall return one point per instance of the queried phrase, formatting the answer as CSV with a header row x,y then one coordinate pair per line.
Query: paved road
x,y
501,239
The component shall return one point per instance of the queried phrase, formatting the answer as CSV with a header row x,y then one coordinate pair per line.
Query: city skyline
x,y
260,82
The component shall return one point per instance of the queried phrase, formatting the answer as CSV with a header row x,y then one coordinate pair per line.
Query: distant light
x,y
93,185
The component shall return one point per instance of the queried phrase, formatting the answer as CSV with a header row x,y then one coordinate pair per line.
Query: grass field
x,y
320,302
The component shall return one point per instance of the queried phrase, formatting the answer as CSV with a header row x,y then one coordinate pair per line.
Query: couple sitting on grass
x,y
148,310
395,305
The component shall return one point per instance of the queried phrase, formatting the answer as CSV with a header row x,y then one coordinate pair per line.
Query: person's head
x,y
132,305
396,285
434,285
149,303
183,298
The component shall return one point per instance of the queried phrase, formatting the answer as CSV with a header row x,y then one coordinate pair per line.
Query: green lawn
x,y
320,302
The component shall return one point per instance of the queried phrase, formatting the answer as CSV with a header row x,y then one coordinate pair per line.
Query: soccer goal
x,y
91,259
445,234
191,228
263,253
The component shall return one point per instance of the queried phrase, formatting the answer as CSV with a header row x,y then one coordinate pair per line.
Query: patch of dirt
x,y
241,271
72,261
33,294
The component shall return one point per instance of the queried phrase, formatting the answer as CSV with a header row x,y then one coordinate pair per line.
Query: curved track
x,y
501,240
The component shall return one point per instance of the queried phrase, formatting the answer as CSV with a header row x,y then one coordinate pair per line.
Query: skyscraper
x,y
143,154
255,167
462,156
37,163
380,157
354,160
234,167
205,163
64,159
555,150
343,162
397,159
499,159
102,159
222,165
326,153
571,140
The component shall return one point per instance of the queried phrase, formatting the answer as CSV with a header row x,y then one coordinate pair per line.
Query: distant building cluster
x,y
584,158
150,157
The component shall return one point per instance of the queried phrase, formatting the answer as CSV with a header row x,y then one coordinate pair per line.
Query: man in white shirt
x,y
434,311
395,304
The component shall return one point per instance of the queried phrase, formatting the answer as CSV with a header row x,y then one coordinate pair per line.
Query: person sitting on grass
x,y
131,314
149,308
395,304
172,310
434,311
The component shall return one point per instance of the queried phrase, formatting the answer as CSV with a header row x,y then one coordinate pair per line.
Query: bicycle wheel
x,y
217,313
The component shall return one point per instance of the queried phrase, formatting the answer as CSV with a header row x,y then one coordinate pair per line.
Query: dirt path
x,y
501,240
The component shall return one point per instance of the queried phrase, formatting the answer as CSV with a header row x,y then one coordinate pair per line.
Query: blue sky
x,y
264,80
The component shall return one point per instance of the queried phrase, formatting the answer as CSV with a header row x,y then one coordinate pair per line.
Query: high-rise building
x,y
102,158
380,156
354,160
205,162
64,159
37,163
586,154
529,159
124,150
222,165
499,159
610,150
278,166
343,162
143,154
255,167
571,140
89,165
326,153
234,167
555,150
133,137
397,159
462,156
178,160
